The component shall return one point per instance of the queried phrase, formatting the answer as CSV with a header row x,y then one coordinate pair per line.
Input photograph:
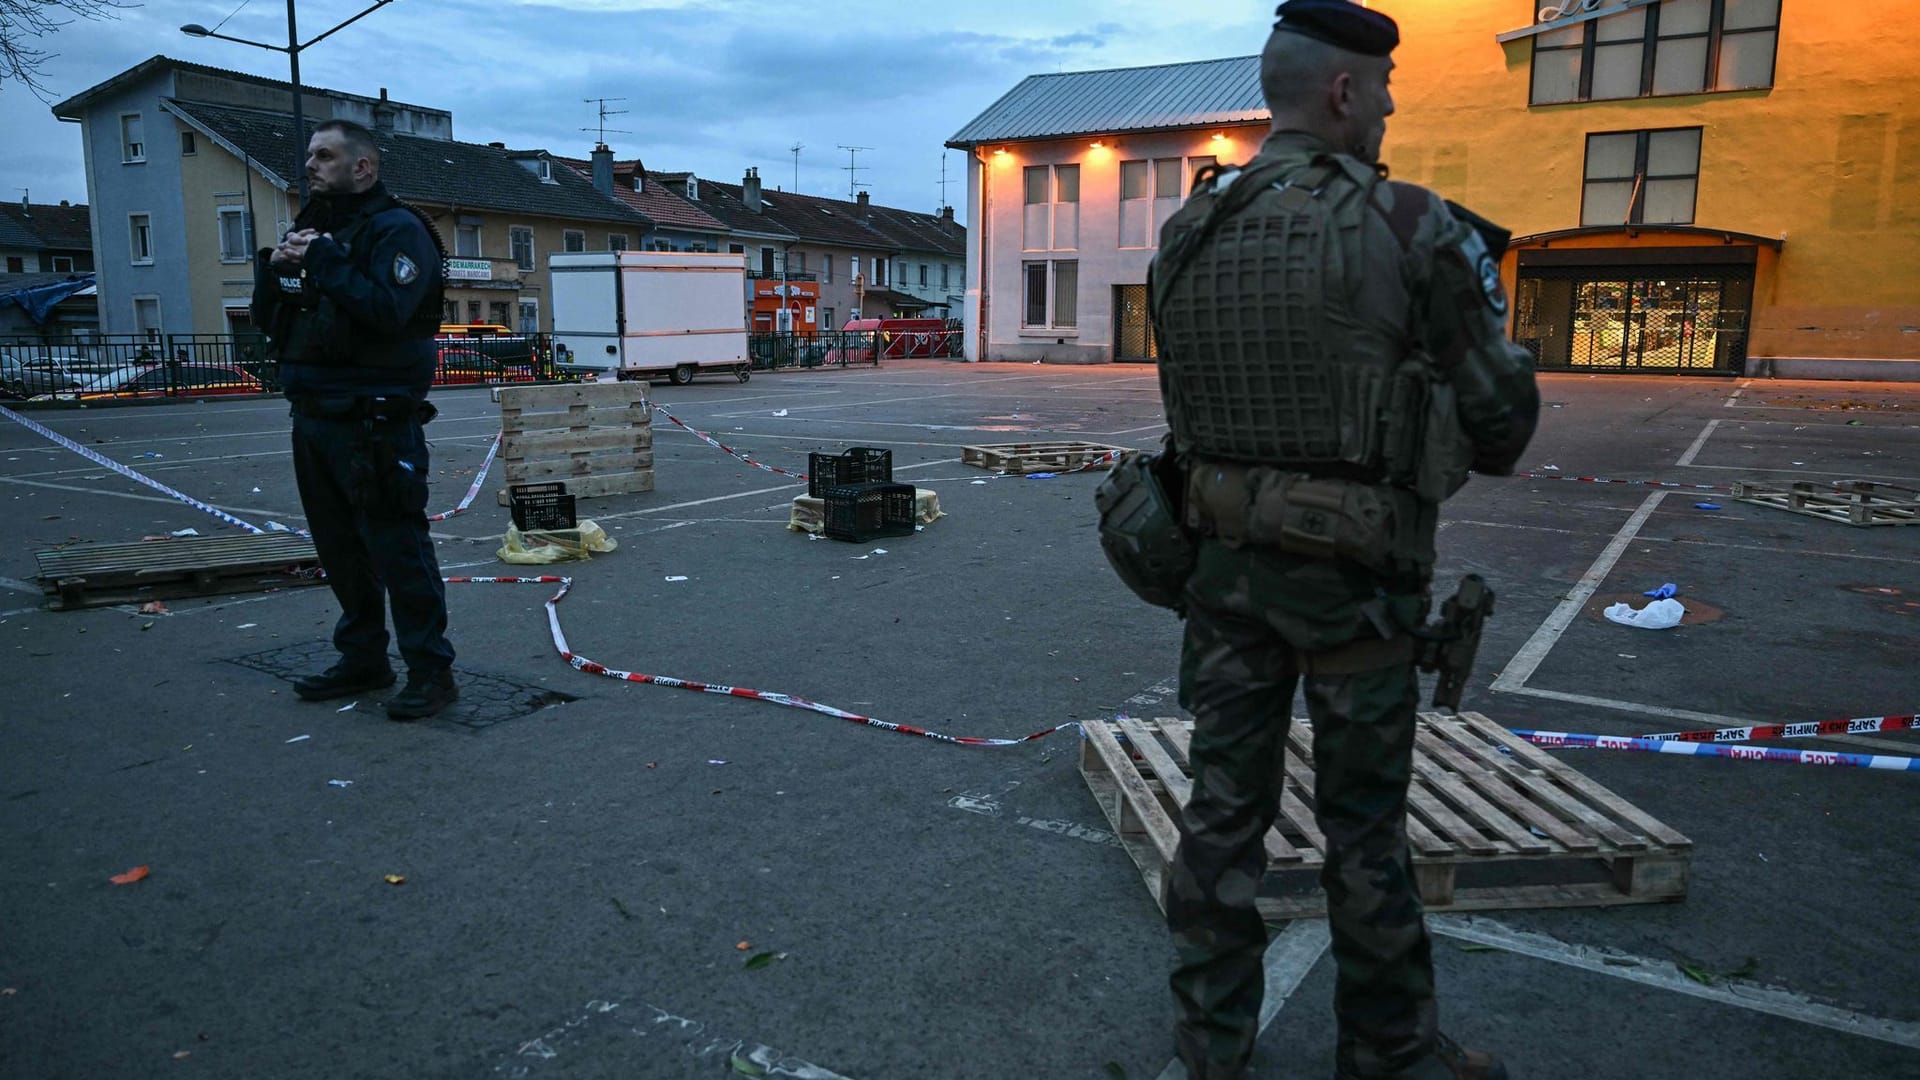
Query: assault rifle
x,y
1448,646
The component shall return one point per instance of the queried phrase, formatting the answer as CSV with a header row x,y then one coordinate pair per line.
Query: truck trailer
x,y
649,315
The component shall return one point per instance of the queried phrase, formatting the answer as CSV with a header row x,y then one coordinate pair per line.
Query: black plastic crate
x,y
540,506
859,465
862,512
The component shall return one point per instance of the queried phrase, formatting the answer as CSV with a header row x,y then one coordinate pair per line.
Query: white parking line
x,y
1662,975
1693,451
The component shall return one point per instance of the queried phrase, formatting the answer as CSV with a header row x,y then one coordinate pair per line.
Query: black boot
x,y
341,680
426,693
1448,1060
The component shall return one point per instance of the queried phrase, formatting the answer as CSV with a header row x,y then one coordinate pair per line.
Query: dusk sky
x,y
712,86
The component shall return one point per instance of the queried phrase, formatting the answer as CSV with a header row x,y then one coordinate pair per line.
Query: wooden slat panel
x,y
183,554
1616,807
1133,790
1499,786
567,467
516,447
563,395
1557,807
1149,748
634,416
1424,801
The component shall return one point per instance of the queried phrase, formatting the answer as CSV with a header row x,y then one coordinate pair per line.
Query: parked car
x,y
50,373
168,380
468,367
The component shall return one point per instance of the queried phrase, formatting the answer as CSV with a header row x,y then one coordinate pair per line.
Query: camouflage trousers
x,y
1249,621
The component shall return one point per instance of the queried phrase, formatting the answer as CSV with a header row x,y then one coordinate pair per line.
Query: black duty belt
x,y
394,407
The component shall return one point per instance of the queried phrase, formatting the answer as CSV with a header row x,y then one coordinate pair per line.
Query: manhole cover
x,y
485,700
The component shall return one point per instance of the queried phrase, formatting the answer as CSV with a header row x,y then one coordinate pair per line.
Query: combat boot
x,y
426,693
342,679
1448,1060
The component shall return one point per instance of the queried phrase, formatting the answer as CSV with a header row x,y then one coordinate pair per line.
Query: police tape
x,y
129,473
716,443
1865,725
478,479
592,667
1608,480
1739,753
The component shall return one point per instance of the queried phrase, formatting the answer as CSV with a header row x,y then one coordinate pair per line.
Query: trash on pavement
x,y
1706,506
1659,615
535,547
136,874
1664,591
339,783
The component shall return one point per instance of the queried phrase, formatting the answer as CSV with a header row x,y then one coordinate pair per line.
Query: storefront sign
x,y
1565,13
469,270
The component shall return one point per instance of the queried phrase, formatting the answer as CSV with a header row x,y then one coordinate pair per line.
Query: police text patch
x,y
1490,284
404,272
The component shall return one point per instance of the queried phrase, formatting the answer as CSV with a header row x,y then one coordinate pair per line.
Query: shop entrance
x,y
1133,337
1587,310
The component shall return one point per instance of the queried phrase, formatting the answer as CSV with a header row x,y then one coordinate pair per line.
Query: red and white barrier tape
x,y
1739,753
100,459
478,479
594,668
716,443
1865,725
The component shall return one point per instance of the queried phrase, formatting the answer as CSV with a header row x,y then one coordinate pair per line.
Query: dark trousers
x,y
1238,676
373,553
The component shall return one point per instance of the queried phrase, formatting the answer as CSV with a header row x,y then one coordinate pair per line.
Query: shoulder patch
x,y
1489,273
405,273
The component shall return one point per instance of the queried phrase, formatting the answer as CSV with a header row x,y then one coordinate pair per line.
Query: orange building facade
x,y
1694,186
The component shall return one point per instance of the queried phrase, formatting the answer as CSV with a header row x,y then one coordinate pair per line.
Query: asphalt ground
x,y
588,886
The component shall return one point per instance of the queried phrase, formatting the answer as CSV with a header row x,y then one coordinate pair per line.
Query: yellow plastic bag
x,y
538,547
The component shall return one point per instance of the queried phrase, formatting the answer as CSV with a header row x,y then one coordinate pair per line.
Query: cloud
x,y
715,86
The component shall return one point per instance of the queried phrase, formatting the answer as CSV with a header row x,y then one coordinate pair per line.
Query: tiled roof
x,y
725,204
667,210
39,226
1123,99
833,222
71,107
437,171
921,232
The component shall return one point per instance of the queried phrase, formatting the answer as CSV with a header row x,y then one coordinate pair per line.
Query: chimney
x,y
750,189
498,145
946,213
383,115
602,169
865,201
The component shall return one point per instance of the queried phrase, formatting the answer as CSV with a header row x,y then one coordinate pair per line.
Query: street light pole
x,y
293,48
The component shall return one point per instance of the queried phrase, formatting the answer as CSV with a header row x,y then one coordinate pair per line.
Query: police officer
x,y
351,301
1334,362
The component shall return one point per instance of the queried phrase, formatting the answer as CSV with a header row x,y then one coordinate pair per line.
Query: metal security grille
x,y
1133,337
1682,320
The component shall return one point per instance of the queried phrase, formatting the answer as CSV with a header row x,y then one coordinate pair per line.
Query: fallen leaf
x,y
621,908
146,626
744,946
762,959
745,1066
396,879
1699,975
131,876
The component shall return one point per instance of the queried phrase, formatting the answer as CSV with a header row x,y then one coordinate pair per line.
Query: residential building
x,y
1695,186
1069,178
38,238
678,225
183,159
930,259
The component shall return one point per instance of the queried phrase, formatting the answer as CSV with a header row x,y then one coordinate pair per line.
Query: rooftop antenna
x,y
795,151
943,180
853,185
601,131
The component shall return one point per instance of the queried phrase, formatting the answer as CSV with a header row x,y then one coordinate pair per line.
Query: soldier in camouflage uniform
x,y
1334,362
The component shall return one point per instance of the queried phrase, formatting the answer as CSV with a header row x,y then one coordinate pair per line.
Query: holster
x,y
1386,530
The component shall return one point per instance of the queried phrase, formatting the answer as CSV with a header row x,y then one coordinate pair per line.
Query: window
x,y
693,188
466,240
826,268
923,275
944,268
497,312
133,138
187,146
573,240
520,239
236,234
146,317
736,249
797,262
140,239
1057,307
879,270
452,313
1151,189
16,264
529,315
63,264
766,262
616,241
1666,47
473,312
826,318
1641,177
1051,216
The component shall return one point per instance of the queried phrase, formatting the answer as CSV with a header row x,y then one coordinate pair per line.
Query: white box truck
x,y
650,314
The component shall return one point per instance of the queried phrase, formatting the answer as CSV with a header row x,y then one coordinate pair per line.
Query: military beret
x,y
1340,23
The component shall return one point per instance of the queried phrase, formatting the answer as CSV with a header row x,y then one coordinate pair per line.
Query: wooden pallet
x,y
98,574
1018,459
597,437
1855,502
1493,821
